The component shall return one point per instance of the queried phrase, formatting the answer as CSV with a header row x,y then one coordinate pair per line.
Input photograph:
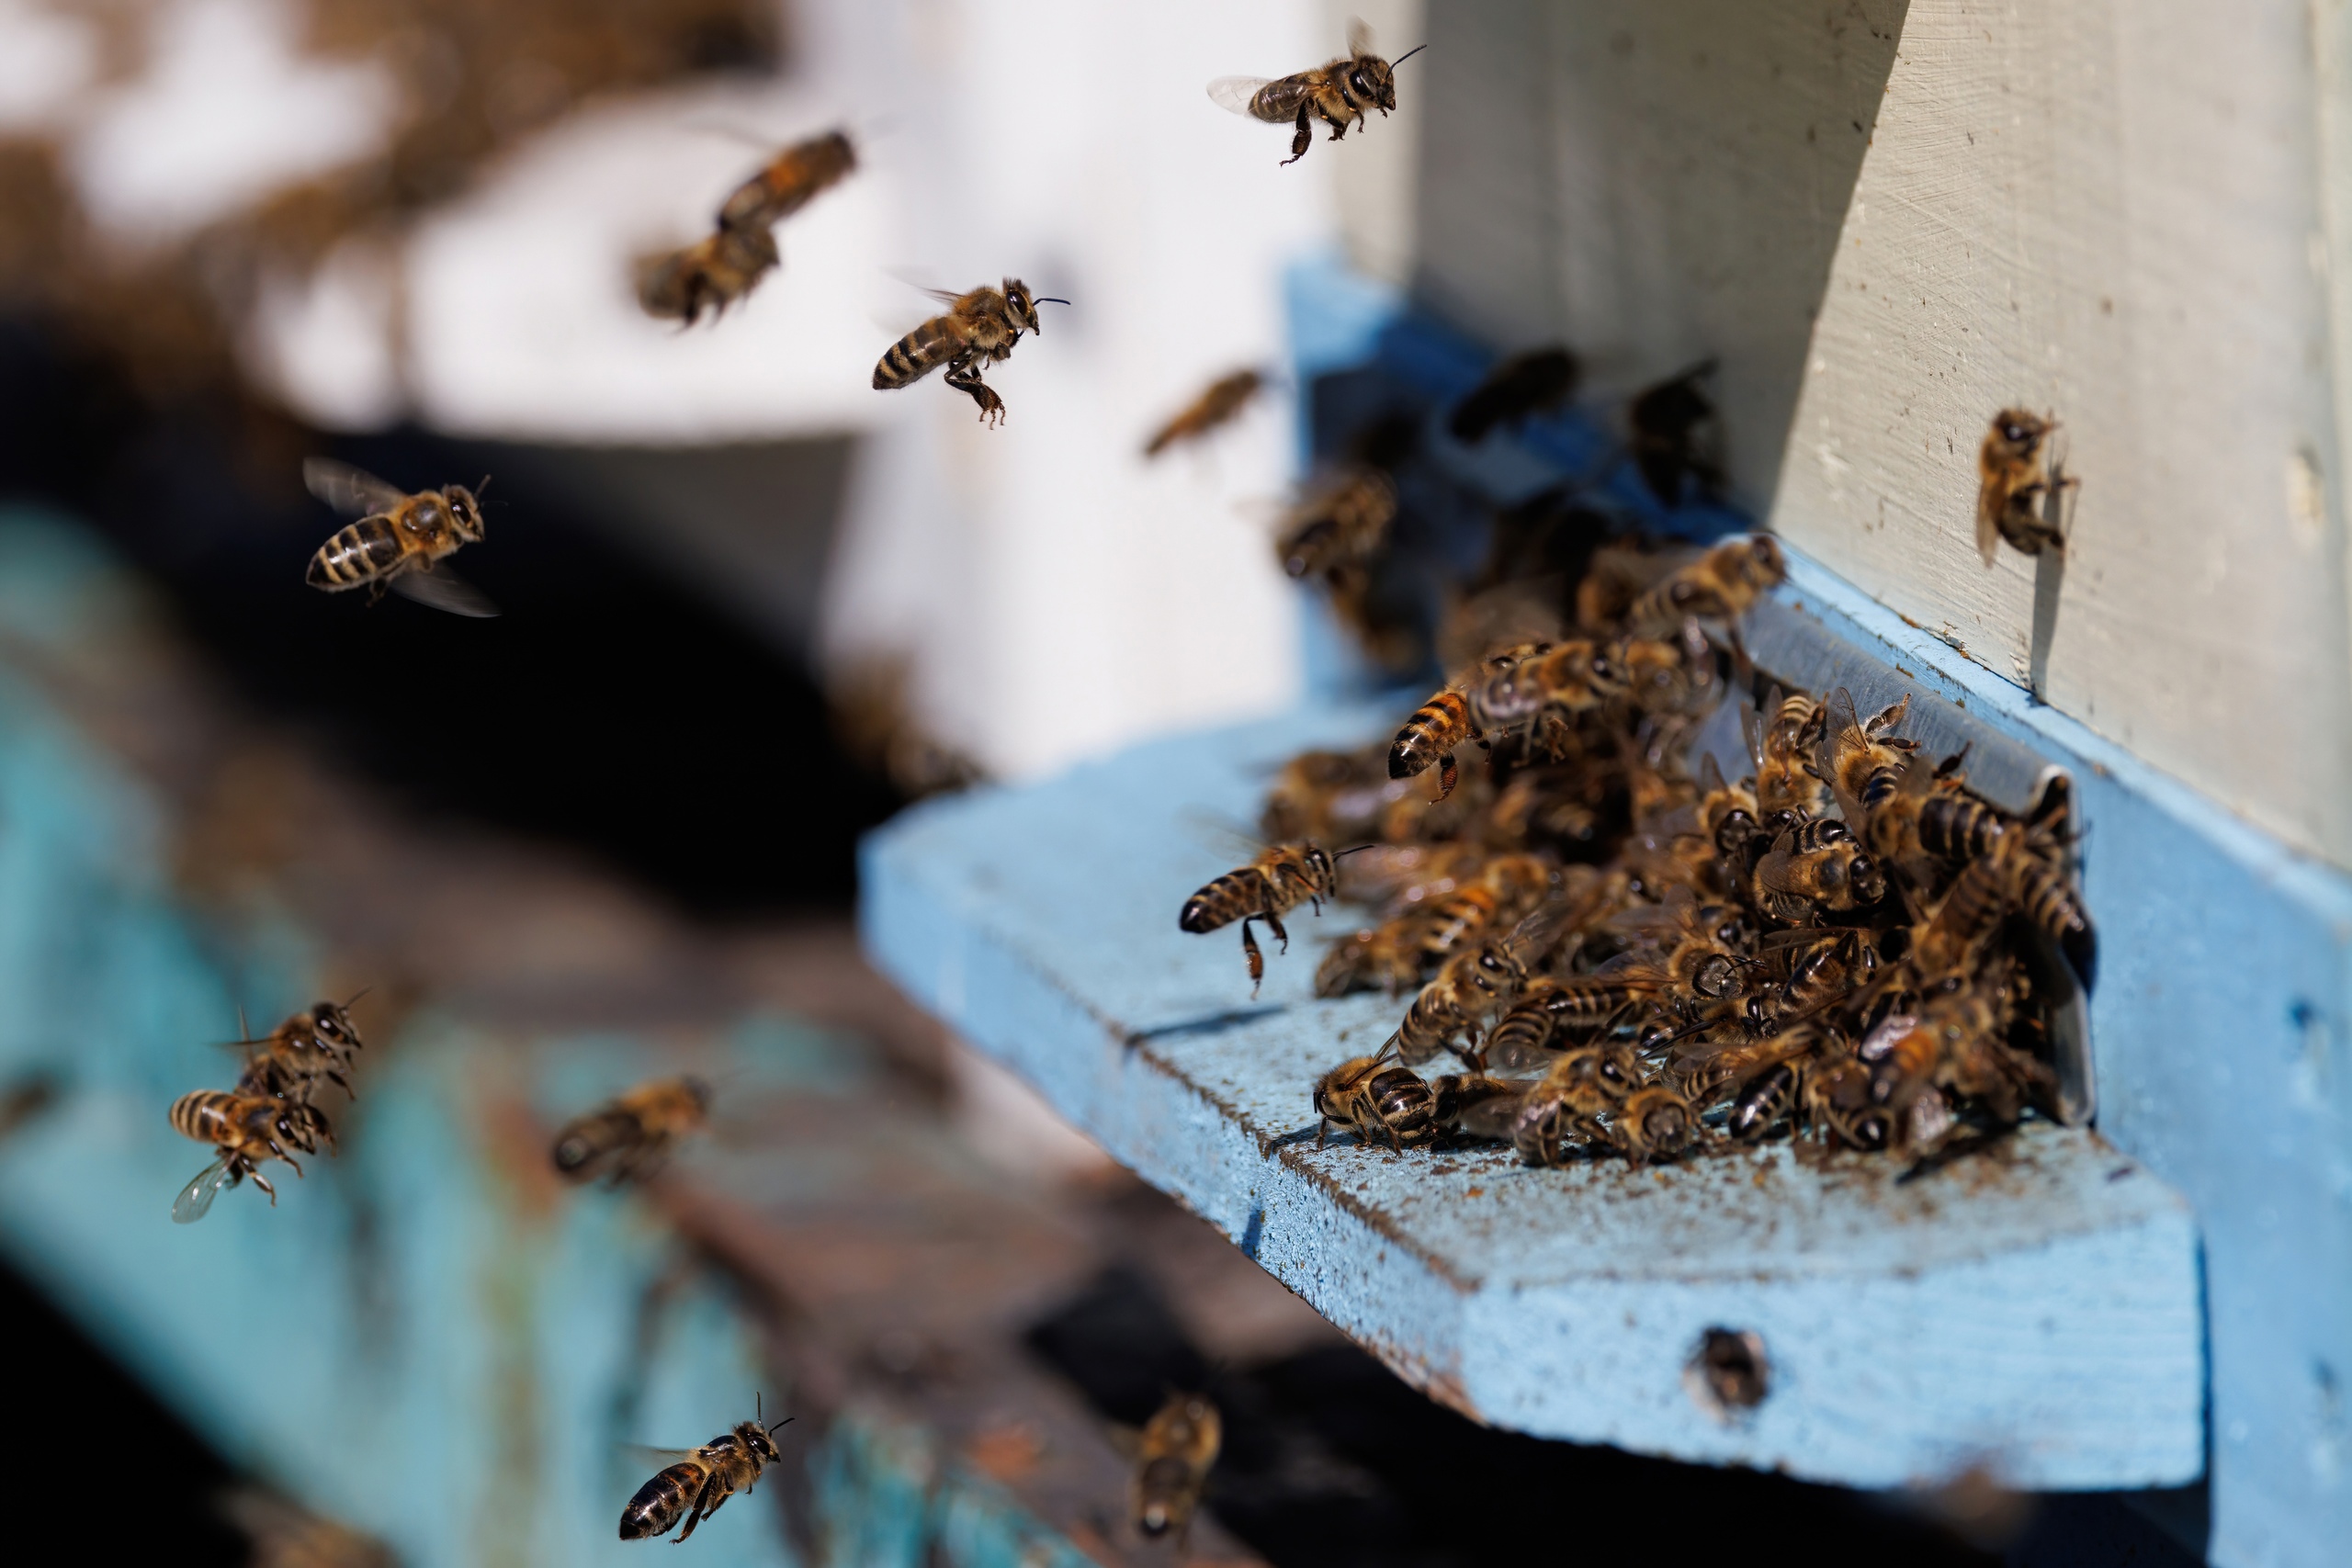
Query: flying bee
x,y
788,181
1515,389
625,1138
1719,586
244,1130
1861,761
1340,527
1223,398
709,274
1815,865
1339,92
287,1061
400,541
2012,477
1654,1122
1670,425
1379,1104
698,1482
1173,1456
979,329
1266,889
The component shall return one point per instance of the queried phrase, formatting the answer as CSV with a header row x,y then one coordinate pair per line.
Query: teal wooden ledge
x,y
2035,1313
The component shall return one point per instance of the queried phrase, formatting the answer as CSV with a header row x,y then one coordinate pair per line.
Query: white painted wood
x,y
2113,211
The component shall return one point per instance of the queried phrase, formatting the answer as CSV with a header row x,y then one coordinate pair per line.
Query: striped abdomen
x,y
1406,1106
211,1116
1549,1008
360,553
2048,898
662,1502
918,354
584,1144
1436,727
1958,829
1231,897
1766,1101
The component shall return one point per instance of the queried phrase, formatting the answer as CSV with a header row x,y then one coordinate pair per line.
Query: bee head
x,y
465,513
2019,431
333,1025
1867,882
1153,1519
1023,305
1762,561
697,1090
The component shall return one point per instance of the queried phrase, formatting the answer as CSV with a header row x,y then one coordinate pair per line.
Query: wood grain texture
x,y
1890,220
2047,1302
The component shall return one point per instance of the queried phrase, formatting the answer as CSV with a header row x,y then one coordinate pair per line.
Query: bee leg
x,y
1257,959
1302,139
1322,1129
262,1182
1275,924
1449,774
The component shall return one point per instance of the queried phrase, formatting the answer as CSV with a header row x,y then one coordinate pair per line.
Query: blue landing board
x,y
2037,1312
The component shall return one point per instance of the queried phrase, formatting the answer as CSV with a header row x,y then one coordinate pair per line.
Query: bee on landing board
x,y
244,1130
697,1482
1223,400
1380,1104
1337,93
2013,476
979,329
1173,1456
1266,889
624,1139
400,541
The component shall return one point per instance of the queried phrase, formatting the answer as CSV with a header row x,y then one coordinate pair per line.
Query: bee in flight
x,y
979,329
1266,889
287,1061
1671,428
1174,1457
400,541
1515,389
2012,477
699,1481
244,1130
1223,400
1337,93
714,272
625,1138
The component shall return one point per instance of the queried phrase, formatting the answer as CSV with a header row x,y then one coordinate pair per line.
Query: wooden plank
x,y
2046,1304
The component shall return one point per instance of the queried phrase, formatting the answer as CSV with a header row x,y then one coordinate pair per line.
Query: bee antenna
x,y
483,486
1048,299
359,993
1407,55
243,1028
785,1422
1342,854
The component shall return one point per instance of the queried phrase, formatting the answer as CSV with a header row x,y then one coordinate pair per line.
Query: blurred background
x,y
751,608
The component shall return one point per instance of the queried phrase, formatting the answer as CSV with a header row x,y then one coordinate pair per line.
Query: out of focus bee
x,y
1277,882
789,181
287,1061
1390,1105
979,329
1515,389
697,1482
1783,747
1815,865
1173,1456
1507,887
1670,425
1862,760
624,1139
1654,1122
400,541
1549,1014
709,274
245,1129
1339,526
1512,690
1719,586
1221,402
2012,479
1386,958
1339,92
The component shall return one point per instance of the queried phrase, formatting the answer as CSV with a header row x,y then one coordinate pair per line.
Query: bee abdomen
x,y
1959,828
204,1114
1224,901
1436,727
914,357
659,1502
365,550
592,1137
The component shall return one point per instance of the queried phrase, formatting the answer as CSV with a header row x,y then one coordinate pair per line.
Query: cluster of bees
x,y
273,1112
1623,951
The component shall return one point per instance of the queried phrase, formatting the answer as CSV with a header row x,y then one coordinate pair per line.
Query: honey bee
x,y
1815,865
245,1129
1507,887
1340,527
1515,389
1565,1107
1174,1457
1223,398
1830,966
625,1138
1388,957
1337,93
1548,1011
287,1061
698,1482
1836,1096
1764,1102
1719,586
1667,423
790,182
709,274
1468,986
1267,889
2011,481
1919,821
1782,749
1966,916
1379,1104
1861,761
400,541
977,330
1511,689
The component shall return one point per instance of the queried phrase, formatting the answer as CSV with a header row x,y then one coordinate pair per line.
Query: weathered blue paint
x,y
2220,1028
2045,1304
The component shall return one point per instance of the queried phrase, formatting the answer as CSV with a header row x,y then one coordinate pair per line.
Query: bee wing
x,y
1358,36
442,589
660,1458
1532,936
352,491
1237,93
196,1199
1492,1117
1842,730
